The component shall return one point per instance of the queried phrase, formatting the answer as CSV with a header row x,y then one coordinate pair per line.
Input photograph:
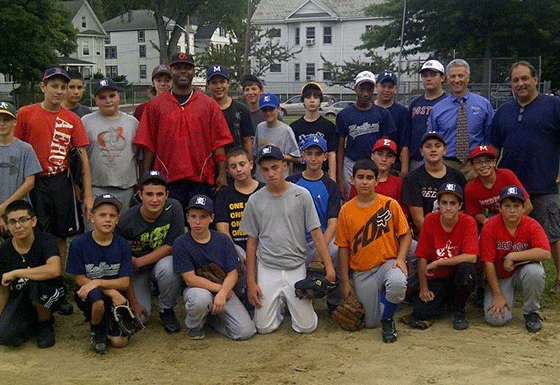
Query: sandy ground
x,y
439,355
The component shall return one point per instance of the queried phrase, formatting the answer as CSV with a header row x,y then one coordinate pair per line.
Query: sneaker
x,y
388,330
459,320
45,335
533,322
66,308
98,340
196,334
555,289
170,323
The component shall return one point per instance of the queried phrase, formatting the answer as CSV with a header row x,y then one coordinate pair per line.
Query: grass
x,y
549,300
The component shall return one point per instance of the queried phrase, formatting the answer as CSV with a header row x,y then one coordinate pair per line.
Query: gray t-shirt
x,y
17,162
280,223
112,156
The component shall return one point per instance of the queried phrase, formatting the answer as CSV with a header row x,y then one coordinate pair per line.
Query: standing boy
x,y
74,94
276,219
512,246
101,263
206,300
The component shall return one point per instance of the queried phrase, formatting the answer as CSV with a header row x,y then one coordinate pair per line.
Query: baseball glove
x,y
315,285
125,320
349,314
212,272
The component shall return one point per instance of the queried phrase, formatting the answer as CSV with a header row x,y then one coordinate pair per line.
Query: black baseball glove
x,y
315,285
124,320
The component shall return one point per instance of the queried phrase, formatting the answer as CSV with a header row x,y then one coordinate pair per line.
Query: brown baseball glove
x,y
212,272
349,314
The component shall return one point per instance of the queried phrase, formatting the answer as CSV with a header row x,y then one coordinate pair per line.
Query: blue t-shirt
x,y
401,119
362,129
443,119
189,255
325,197
530,142
87,257
419,112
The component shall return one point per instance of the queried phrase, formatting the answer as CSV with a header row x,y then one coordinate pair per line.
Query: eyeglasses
x,y
22,221
483,161
521,111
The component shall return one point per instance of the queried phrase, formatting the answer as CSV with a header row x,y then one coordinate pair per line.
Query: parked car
x,y
333,110
294,106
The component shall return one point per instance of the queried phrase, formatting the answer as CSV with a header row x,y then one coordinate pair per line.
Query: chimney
x,y
130,16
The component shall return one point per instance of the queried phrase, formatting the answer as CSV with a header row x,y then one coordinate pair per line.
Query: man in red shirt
x,y
447,251
184,133
512,246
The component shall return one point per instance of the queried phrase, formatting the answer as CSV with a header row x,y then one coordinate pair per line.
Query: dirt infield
x,y
439,355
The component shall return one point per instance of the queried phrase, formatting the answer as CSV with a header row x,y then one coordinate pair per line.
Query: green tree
x,y
344,74
34,34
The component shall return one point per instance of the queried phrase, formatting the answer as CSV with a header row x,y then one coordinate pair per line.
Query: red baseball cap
x,y
385,143
483,149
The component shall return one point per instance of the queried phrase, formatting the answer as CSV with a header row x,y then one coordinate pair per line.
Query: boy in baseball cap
x,y
209,301
74,94
161,82
512,247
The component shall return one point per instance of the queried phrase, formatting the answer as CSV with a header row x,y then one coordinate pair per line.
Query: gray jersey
x,y
280,223
112,157
17,161
282,136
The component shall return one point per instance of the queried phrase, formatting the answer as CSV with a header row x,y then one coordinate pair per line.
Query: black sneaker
x,y
533,322
66,308
98,339
459,320
388,330
196,334
170,323
45,334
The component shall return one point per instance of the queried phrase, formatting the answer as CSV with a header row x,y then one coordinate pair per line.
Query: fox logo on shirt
x,y
374,228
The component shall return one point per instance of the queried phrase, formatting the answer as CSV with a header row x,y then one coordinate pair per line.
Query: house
x,y
208,35
130,45
331,28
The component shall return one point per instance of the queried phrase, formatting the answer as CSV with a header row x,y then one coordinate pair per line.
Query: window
x,y
296,72
222,32
297,36
142,50
141,36
327,75
112,71
276,68
310,36
108,39
369,28
111,52
275,32
85,48
142,72
327,35
84,23
310,71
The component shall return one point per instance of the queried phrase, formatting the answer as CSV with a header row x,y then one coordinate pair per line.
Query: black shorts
x,y
85,306
55,206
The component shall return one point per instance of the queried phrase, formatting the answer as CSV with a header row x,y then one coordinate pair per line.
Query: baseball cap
x,y
483,149
385,143
268,101
8,109
105,84
451,188
107,198
56,71
201,202
152,175
161,69
217,70
181,57
433,65
432,135
512,191
251,79
313,140
387,76
270,151
363,77
311,85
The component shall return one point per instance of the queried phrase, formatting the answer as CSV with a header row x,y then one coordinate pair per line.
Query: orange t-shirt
x,y
51,134
371,233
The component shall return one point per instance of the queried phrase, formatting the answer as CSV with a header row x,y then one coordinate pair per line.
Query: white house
x,y
207,35
331,28
129,49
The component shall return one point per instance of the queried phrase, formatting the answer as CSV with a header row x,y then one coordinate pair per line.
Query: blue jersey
x,y
419,112
401,119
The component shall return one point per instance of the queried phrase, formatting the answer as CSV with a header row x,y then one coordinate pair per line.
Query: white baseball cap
x,y
433,65
363,77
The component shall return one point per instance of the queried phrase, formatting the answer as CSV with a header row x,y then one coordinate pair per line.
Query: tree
x,y
344,74
34,34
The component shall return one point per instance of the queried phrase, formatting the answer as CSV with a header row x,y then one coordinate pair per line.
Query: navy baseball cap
x,y
152,175
451,188
387,76
181,57
105,84
201,202
251,79
270,152
313,140
8,109
432,135
217,70
56,71
107,198
162,69
512,191
269,101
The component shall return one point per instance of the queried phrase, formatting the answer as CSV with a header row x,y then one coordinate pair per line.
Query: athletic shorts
x,y
85,306
546,211
55,206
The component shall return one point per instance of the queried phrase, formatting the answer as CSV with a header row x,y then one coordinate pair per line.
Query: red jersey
x,y
496,241
391,188
51,134
478,197
436,243
183,137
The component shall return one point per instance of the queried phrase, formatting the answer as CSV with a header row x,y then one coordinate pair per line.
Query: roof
x,y
205,31
73,7
135,20
72,61
91,32
281,9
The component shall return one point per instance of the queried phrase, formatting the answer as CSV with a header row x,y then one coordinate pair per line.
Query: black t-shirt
x,y
321,126
230,204
239,122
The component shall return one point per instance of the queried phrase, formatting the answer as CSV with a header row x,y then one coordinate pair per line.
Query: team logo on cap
x,y
106,196
200,201
154,173
450,187
216,69
182,56
3,105
386,142
103,83
266,98
512,190
483,148
266,150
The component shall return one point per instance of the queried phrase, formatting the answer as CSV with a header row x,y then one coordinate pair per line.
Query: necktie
x,y
462,145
